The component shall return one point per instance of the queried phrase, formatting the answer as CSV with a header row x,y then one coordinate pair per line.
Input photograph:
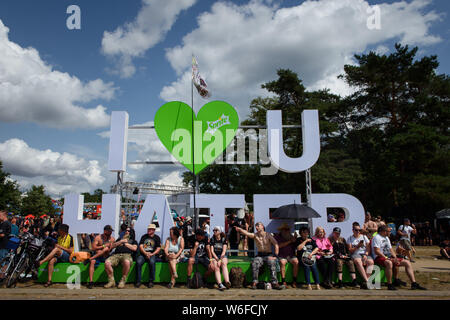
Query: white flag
x,y
199,82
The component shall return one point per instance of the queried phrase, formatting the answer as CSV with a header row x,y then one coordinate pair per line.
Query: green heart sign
x,y
214,128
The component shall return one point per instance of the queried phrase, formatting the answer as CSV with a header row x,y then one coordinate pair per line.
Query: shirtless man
x,y
264,242
369,227
102,246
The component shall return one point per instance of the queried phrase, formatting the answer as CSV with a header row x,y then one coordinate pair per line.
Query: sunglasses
x,y
215,230
128,230
357,230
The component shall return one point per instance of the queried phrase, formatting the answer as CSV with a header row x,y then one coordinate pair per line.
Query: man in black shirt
x,y
200,253
233,236
5,230
125,246
149,247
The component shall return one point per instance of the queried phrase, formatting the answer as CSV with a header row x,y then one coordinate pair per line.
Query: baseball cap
x,y
337,229
151,226
108,228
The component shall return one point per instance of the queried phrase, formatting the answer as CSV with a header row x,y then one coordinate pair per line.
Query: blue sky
x,y
135,55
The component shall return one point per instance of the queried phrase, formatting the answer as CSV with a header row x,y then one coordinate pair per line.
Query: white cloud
x,y
30,90
240,47
60,173
132,40
144,145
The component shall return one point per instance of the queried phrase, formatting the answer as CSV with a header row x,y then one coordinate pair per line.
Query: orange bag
x,y
79,257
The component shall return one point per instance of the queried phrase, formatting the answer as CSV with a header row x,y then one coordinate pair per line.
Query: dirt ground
x,y
430,272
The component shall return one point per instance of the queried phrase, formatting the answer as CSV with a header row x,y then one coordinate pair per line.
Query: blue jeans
x,y
307,270
3,253
151,265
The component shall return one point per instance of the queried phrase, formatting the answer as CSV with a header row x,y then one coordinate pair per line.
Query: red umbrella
x,y
29,216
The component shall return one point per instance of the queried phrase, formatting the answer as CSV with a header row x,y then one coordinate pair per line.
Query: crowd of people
x,y
368,245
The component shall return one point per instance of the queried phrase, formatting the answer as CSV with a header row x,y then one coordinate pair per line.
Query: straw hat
x,y
284,226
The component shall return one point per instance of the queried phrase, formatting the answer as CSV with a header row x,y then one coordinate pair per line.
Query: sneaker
x,y
416,286
170,285
391,286
353,284
284,283
340,285
137,284
363,286
150,284
228,285
90,285
221,287
398,283
294,285
121,283
111,283
254,285
309,287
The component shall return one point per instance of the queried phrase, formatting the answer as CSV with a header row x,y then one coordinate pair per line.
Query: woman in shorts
x,y
359,249
173,248
218,249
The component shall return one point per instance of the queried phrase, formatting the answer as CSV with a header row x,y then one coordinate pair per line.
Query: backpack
x,y
196,281
237,277
78,257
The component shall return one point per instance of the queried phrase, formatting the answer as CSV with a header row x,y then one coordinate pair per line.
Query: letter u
x,y
310,139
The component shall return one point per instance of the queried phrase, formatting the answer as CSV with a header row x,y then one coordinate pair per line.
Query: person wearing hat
x,y
61,252
149,247
102,248
286,243
342,256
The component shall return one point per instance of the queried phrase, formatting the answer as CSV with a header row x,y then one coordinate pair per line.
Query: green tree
x,y
37,203
10,199
95,197
400,115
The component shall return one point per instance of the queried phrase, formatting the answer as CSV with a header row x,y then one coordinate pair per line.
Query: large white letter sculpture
x,y
155,204
310,137
354,211
73,215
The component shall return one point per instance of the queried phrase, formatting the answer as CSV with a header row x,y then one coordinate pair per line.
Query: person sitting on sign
x,y
149,247
200,253
102,246
61,253
218,245
125,247
324,256
358,247
173,249
306,253
264,242
342,256
286,243
384,256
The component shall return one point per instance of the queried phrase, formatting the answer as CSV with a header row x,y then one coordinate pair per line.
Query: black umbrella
x,y
295,211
